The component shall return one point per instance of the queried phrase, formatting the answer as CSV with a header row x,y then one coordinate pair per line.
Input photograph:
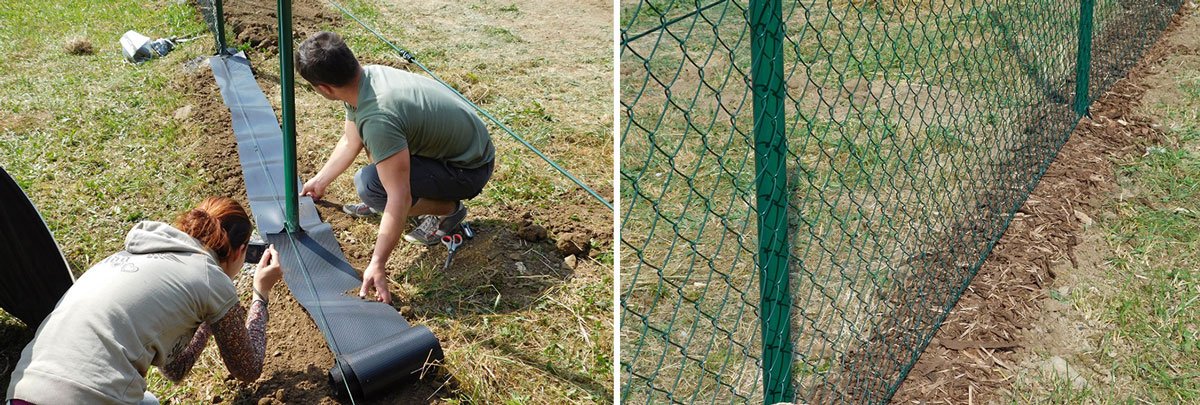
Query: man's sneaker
x,y
359,210
449,222
426,231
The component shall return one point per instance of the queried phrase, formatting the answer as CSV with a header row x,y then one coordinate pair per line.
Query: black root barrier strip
x,y
35,274
374,346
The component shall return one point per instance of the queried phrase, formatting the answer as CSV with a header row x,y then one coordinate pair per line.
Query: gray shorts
x,y
428,178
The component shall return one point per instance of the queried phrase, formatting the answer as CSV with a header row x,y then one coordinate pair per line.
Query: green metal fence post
x,y
220,26
770,149
288,100
1083,61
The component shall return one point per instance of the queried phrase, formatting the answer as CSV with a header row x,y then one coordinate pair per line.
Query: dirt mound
x,y
254,24
992,324
219,165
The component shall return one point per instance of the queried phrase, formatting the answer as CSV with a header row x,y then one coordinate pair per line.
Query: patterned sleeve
x,y
242,348
178,368
243,341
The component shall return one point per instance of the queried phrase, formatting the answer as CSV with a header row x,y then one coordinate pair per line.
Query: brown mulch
x,y
981,338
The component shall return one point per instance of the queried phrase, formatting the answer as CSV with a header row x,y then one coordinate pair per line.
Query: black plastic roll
x,y
34,274
379,367
374,345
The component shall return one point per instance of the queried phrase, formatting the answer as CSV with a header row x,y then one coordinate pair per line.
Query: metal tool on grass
x,y
452,242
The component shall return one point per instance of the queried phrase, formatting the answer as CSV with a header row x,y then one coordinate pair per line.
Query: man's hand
x,y
393,173
375,278
343,155
315,188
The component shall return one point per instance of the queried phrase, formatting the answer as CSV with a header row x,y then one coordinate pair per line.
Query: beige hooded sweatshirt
x,y
137,308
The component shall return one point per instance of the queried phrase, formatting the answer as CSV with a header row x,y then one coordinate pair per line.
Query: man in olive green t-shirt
x,y
428,149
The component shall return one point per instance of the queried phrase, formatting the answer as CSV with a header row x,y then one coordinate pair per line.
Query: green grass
x,y
92,137
1154,238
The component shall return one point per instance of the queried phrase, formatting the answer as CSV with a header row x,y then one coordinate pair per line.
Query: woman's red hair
x,y
219,223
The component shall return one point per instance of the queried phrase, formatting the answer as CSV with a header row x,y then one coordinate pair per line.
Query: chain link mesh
x,y
915,129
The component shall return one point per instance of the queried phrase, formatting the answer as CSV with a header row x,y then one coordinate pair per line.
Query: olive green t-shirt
x,y
398,110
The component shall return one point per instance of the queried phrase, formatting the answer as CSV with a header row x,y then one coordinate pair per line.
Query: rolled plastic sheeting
x,y
34,274
374,346
381,366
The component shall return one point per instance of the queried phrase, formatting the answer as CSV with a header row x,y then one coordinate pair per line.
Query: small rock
x,y
406,311
183,112
277,353
1084,219
1125,194
571,243
532,233
1064,291
1059,368
1059,365
521,268
571,262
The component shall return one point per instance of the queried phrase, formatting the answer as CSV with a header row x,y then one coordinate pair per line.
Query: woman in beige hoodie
x,y
155,303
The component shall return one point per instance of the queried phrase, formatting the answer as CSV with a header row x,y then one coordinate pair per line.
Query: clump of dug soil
x,y
529,231
79,46
574,244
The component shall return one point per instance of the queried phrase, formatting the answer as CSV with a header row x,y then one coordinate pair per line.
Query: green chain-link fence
x,y
808,186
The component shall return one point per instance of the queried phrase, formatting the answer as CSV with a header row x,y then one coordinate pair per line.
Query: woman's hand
x,y
269,271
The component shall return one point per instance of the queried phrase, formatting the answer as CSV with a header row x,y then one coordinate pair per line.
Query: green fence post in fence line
x,y
770,150
288,101
219,17
1083,61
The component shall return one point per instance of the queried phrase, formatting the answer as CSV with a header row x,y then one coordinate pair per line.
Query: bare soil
x,y
255,24
1009,314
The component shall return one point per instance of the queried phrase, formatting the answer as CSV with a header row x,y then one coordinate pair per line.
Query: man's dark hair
x,y
324,58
